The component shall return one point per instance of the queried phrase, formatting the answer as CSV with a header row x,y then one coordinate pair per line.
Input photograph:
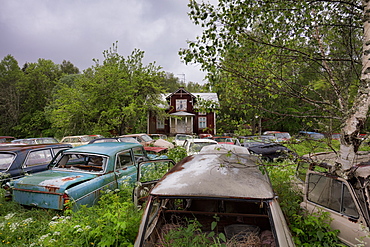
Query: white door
x,y
181,126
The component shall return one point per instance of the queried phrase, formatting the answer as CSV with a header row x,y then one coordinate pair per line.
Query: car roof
x,y
129,135
75,136
19,147
201,140
104,148
224,148
361,168
216,176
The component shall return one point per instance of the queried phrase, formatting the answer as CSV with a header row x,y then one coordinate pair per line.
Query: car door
x,y
125,170
148,175
37,160
335,196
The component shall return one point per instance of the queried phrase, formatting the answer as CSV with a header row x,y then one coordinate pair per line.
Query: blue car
x,y
80,174
19,160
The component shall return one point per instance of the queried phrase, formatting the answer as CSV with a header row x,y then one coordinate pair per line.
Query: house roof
x,y
182,113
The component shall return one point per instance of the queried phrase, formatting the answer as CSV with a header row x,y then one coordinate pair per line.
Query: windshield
x,y
196,147
283,135
128,139
46,140
146,138
223,139
6,160
183,137
82,162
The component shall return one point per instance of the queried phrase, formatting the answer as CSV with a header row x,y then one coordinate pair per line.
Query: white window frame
x,y
181,104
160,123
202,122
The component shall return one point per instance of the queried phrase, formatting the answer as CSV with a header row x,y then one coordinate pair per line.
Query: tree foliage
x,y
287,58
10,77
110,98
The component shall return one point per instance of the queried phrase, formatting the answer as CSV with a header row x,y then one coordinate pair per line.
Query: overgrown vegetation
x,y
115,220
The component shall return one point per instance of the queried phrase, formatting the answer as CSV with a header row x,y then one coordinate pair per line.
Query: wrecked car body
x,y
18,160
219,185
80,175
345,198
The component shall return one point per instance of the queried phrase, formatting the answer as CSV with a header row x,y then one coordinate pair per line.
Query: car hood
x,y
51,181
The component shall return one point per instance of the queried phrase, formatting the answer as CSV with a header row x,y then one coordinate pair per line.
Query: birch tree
x,y
326,40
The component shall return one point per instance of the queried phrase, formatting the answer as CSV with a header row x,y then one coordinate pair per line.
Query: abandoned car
x,y
267,150
219,192
80,174
345,199
193,146
146,140
76,141
18,160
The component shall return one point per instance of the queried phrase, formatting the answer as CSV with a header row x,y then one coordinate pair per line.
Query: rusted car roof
x,y
216,175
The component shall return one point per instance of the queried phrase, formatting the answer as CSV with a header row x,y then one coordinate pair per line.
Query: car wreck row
x,y
79,175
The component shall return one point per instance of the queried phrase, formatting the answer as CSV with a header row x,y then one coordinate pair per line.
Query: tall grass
x,y
115,220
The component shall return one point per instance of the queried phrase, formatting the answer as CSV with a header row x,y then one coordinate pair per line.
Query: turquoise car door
x,y
125,169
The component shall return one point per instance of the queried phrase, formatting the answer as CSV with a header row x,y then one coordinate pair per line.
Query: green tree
x,y
109,98
10,76
35,94
309,62
68,68
171,83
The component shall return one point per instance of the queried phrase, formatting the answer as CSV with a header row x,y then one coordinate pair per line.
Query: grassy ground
x,y
114,222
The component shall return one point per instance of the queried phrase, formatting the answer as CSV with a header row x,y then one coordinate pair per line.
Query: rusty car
x,y
79,175
344,198
219,191
18,160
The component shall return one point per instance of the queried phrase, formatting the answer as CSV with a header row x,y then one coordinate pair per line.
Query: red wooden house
x,y
187,113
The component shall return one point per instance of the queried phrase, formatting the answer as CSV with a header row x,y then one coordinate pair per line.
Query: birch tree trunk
x,y
357,115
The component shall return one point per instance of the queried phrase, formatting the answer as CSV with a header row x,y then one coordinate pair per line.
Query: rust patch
x,y
70,178
177,167
51,188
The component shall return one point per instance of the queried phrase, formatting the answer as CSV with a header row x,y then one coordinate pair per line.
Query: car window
x,y
146,138
89,163
139,152
124,159
66,140
38,157
6,160
196,147
56,150
331,193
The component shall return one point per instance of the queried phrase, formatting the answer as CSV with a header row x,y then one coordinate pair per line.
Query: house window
x,y
202,122
181,105
160,124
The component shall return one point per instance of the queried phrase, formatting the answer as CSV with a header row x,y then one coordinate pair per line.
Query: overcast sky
x,y
80,30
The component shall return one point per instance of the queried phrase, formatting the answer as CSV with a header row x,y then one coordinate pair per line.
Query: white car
x,y
79,140
181,138
224,148
193,146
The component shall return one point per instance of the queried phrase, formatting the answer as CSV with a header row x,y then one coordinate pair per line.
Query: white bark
x,y
356,117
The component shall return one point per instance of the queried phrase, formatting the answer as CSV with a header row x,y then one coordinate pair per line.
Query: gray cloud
x,y
80,30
